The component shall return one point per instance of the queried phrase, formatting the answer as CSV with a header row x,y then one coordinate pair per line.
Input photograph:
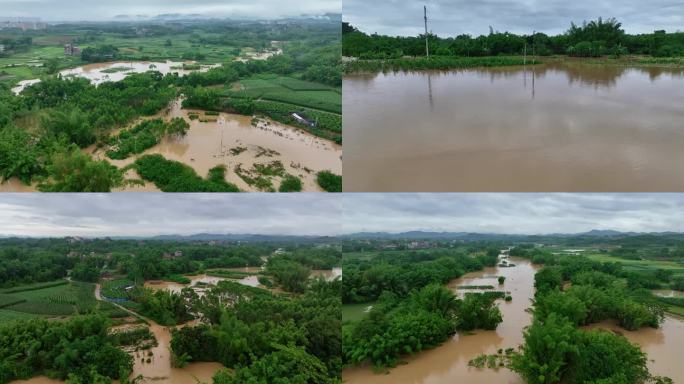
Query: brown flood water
x,y
203,279
560,126
159,369
663,346
448,363
208,144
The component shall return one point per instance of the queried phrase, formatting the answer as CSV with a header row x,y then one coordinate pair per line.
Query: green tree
x,y
72,170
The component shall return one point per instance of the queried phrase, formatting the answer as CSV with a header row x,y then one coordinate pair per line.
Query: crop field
x,y
114,289
9,315
289,90
354,312
641,265
60,300
34,286
7,300
157,48
29,64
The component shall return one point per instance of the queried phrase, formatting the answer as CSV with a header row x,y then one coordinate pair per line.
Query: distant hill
x,y
472,236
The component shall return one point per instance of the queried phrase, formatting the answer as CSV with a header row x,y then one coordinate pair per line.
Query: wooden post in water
x,y
427,46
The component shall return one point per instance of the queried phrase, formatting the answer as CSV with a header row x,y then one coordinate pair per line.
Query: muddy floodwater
x,y
448,363
208,144
560,126
328,274
116,71
200,282
663,346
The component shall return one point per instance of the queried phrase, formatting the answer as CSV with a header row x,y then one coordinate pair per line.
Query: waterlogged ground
x,y
561,126
448,363
116,71
208,144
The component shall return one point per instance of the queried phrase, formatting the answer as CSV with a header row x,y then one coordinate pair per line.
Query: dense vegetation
x,y
266,338
410,310
291,336
144,135
47,122
173,176
78,349
594,38
555,350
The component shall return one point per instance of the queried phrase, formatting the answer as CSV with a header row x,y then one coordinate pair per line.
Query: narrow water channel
x,y
448,363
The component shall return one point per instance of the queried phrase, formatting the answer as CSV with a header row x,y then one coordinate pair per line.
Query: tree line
x,y
594,38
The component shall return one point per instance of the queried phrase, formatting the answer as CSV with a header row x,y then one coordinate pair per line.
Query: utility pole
x,y
427,47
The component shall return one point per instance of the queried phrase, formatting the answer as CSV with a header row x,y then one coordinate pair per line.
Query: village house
x,y
72,50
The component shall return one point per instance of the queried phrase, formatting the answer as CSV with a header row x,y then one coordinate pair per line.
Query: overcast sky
x,y
145,214
455,17
68,10
512,213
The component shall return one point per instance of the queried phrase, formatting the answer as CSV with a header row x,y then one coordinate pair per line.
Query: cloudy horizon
x,y
104,10
514,214
449,18
146,215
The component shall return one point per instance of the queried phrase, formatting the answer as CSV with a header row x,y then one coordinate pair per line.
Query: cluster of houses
x,y
72,50
23,24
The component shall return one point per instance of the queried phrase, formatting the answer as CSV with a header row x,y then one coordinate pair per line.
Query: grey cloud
x,y
513,213
68,10
152,214
455,17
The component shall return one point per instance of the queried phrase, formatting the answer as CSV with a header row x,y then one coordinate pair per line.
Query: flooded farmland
x,y
448,363
116,71
208,144
560,126
230,140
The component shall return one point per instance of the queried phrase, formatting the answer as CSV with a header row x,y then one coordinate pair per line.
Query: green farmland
x,y
288,90
51,301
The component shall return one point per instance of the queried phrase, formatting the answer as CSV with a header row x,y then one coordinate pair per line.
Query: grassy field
x,y
52,301
288,90
156,48
29,64
641,265
354,312
114,288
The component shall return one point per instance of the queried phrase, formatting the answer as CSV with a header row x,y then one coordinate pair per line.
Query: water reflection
x,y
558,126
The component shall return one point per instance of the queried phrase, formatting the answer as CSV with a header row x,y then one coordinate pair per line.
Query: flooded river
x,y
159,370
561,126
448,363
